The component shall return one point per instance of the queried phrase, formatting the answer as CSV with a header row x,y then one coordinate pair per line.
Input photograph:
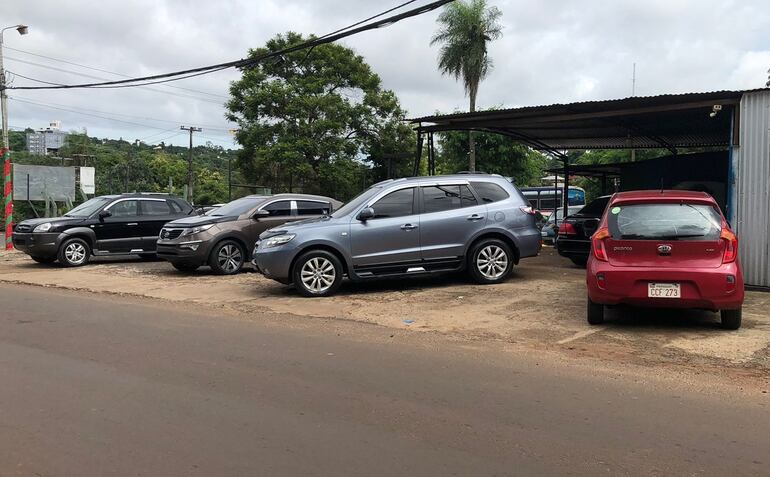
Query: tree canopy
x,y
314,120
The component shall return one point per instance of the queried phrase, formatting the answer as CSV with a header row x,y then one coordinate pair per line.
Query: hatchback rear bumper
x,y
704,288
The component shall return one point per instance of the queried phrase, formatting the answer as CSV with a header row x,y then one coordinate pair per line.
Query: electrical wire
x,y
84,75
109,72
241,63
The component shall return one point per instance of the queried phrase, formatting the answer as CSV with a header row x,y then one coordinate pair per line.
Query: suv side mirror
x,y
104,214
260,214
365,214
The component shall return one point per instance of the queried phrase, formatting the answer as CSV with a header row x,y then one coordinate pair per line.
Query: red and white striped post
x,y
7,198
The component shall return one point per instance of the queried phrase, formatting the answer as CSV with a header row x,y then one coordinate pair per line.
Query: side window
x,y
309,207
396,204
125,208
440,198
282,208
490,192
466,197
176,208
155,208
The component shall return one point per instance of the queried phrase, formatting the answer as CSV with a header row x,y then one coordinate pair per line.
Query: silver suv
x,y
413,226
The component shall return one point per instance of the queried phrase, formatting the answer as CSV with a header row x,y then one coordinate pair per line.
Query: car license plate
x,y
664,290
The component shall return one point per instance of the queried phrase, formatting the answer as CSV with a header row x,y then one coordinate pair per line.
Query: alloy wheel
x,y
492,262
318,274
229,258
75,253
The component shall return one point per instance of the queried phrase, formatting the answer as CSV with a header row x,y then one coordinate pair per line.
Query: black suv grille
x,y
170,234
23,228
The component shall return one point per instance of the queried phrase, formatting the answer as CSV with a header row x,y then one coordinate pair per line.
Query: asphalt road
x,y
100,385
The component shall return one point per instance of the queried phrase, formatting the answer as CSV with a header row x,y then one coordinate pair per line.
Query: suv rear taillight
x,y
567,228
597,244
731,246
528,210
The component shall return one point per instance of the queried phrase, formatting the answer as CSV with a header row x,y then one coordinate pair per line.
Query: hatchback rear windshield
x,y
664,222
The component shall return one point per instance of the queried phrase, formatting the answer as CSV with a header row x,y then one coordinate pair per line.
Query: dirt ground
x,y
542,307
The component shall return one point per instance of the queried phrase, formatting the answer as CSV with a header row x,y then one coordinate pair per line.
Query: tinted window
x,y
176,208
282,208
596,207
125,208
307,207
466,197
489,192
665,221
155,207
440,198
395,204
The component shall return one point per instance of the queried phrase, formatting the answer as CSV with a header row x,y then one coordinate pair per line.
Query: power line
x,y
84,75
108,71
77,108
182,74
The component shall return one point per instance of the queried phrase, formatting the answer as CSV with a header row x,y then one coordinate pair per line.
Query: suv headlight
x,y
43,227
276,241
197,230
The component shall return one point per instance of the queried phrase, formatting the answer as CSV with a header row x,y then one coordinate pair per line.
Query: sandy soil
x,y
542,306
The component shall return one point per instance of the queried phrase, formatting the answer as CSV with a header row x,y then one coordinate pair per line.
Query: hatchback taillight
x,y
731,246
567,228
597,244
528,210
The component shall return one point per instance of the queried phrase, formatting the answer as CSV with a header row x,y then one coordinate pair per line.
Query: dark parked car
x,y
550,228
224,237
106,225
574,238
477,222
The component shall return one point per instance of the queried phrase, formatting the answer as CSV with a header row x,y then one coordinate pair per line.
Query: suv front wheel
x,y
227,258
491,261
317,273
74,252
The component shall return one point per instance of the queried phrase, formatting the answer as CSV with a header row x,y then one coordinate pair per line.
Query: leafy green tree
x,y
310,113
466,27
496,154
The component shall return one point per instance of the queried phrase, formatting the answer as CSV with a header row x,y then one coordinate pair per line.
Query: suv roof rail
x,y
473,172
145,193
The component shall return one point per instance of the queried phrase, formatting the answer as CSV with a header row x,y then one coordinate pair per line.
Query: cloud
x,y
555,51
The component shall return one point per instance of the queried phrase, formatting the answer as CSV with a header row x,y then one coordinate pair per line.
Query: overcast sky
x,y
552,51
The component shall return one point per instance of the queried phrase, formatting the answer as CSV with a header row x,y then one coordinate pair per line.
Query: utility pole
x,y
191,129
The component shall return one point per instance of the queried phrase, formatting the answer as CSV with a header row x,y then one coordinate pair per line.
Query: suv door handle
x,y
132,223
408,227
475,217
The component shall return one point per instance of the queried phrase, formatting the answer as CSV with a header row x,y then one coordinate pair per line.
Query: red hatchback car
x,y
666,249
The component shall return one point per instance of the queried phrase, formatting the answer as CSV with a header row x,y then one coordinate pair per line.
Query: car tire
x,y
580,261
731,319
74,252
594,312
490,261
227,258
45,260
185,267
317,273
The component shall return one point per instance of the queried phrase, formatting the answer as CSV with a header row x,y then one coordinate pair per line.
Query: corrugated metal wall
x,y
752,176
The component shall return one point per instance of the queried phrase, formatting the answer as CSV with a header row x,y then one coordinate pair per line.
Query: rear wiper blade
x,y
679,236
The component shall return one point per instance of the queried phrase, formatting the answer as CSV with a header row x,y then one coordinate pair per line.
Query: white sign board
x,y
88,180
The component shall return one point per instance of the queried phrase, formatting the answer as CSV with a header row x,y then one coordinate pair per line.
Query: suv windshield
x,y
237,207
664,221
88,207
357,202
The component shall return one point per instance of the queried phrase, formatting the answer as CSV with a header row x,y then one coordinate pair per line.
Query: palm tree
x,y
465,29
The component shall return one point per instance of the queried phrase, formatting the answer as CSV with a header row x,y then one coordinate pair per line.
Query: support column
x,y
418,154
565,194
7,198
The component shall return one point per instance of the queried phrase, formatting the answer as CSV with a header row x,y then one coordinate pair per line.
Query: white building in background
x,y
44,141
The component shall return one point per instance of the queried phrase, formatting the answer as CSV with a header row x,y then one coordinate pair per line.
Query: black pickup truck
x,y
574,238
126,224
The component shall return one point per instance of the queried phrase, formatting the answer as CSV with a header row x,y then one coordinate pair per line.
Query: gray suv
x,y
477,222
219,238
